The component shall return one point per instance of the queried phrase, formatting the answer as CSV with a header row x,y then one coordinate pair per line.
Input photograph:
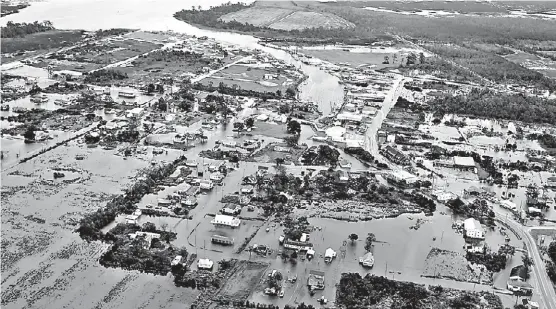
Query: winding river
x,y
157,15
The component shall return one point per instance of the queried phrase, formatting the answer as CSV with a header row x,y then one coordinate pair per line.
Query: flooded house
x,y
298,245
473,229
225,220
395,155
464,163
315,280
222,240
367,260
329,255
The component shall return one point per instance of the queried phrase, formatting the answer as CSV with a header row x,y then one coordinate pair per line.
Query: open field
x,y
245,278
286,17
302,20
353,59
258,16
251,78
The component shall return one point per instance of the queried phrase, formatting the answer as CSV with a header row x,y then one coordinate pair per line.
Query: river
x,y
150,15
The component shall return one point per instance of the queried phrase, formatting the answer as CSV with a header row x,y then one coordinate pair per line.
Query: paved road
x,y
543,284
371,144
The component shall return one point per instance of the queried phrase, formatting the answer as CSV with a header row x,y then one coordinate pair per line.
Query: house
x,y
131,219
464,163
231,210
367,260
225,220
315,280
147,236
395,155
473,229
281,148
520,287
518,273
551,182
329,255
530,304
205,264
176,260
298,245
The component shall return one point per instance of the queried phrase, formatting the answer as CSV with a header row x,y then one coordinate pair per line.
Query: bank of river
x,y
150,15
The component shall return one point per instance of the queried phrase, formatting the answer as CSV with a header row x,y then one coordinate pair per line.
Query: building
x,y
329,255
473,229
465,163
222,240
231,210
298,245
395,155
147,237
315,281
205,264
551,182
176,260
225,220
520,287
368,260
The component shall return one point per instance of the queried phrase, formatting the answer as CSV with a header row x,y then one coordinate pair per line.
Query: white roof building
x,y
329,253
464,162
205,264
473,229
226,220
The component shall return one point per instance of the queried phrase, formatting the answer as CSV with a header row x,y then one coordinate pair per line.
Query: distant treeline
x,y
12,9
488,104
104,76
492,66
111,32
14,30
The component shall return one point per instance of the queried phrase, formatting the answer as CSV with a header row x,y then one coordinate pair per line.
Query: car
x,y
149,206
281,293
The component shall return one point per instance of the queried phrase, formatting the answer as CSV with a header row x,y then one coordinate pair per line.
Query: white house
x,y
205,264
329,254
226,221
473,229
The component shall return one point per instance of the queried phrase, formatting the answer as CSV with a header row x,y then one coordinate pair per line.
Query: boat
x,y
126,94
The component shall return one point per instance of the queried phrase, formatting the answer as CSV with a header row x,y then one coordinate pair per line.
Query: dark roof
x,y
520,271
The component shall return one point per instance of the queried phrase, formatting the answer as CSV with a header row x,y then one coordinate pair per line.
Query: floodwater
x,y
52,267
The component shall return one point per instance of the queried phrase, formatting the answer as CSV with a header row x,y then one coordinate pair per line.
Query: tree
x,y
279,161
421,58
279,92
164,226
249,122
411,59
150,88
294,127
353,237
29,134
239,126
148,227
371,238
506,250
290,92
292,141
386,60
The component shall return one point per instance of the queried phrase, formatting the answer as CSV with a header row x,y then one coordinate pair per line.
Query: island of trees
x,y
14,30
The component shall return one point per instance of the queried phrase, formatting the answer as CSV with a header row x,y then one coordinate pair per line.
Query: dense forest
x,y
12,9
104,76
14,30
371,291
488,104
492,66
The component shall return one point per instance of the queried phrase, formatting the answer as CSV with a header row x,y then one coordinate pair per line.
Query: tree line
x,y
14,30
485,103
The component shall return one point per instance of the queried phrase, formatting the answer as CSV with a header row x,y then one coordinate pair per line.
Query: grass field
x,y
251,78
41,41
245,278
286,16
258,16
352,59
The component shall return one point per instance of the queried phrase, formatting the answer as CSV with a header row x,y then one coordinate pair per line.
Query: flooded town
x,y
278,154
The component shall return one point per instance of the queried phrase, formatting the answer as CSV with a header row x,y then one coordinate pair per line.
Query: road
x,y
543,284
203,76
371,144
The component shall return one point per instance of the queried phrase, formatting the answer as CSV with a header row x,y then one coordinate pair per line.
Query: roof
x,y
520,284
329,252
464,161
368,257
472,224
226,220
205,263
350,117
